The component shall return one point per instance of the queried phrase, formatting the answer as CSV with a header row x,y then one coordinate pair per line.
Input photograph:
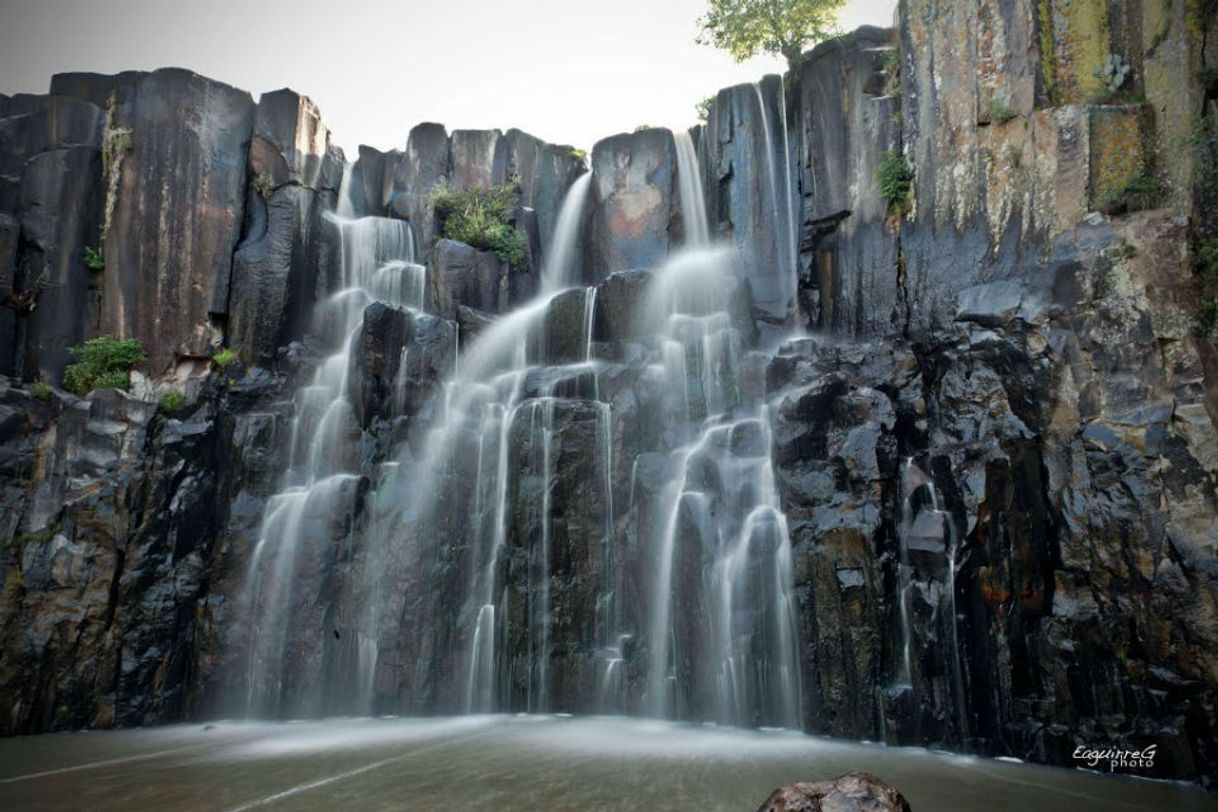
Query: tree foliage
x,y
745,28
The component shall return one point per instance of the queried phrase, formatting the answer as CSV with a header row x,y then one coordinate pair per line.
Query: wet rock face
x,y
175,179
850,261
751,195
852,792
460,275
953,509
50,210
633,188
1001,506
401,358
116,510
288,250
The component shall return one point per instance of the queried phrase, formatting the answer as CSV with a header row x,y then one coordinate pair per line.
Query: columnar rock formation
x,y
992,453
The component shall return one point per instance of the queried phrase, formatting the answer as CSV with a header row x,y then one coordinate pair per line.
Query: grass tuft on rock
x,y
171,401
895,177
224,358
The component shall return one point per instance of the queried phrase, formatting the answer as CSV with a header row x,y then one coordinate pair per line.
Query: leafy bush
x,y
224,357
482,218
41,390
102,363
895,178
703,108
579,154
94,260
171,401
642,128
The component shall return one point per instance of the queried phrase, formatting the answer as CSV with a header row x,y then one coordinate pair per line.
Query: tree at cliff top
x,y
745,28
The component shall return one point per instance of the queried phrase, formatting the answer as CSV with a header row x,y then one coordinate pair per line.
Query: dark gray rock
x,y
849,249
374,365
751,198
852,792
291,144
620,304
176,178
422,167
634,185
476,160
60,215
372,178
288,250
400,361
461,275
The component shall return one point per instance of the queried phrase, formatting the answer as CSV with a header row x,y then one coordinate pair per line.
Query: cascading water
x,y
693,201
782,201
722,543
927,529
496,570
377,261
560,259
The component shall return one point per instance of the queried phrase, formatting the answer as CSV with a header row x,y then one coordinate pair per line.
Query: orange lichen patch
x,y
1117,155
994,593
1081,41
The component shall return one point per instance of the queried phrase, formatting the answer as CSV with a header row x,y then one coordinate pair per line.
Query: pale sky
x,y
567,71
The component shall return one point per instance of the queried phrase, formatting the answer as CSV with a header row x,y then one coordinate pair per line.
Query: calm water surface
x,y
516,763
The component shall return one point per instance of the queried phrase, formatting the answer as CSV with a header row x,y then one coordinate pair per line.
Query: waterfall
x,y
720,506
498,567
782,203
558,270
320,485
689,187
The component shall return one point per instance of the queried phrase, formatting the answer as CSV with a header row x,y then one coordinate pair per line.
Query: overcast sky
x,y
568,71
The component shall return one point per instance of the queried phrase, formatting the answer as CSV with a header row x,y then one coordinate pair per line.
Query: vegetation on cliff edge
x,y
482,218
104,362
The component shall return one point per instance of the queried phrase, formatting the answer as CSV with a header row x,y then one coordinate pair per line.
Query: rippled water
x,y
516,763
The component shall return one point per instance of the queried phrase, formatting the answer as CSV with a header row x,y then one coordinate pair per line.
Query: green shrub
x,y
261,183
1000,110
37,536
171,401
1207,316
895,178
1144,191
892,72
224,357
482,218
102,363
642,128
703,108
579,154
94,260
41,390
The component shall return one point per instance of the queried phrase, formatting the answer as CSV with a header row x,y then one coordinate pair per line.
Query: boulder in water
x,y
853,792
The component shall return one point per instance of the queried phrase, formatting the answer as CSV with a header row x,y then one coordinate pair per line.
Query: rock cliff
x,y
989,400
